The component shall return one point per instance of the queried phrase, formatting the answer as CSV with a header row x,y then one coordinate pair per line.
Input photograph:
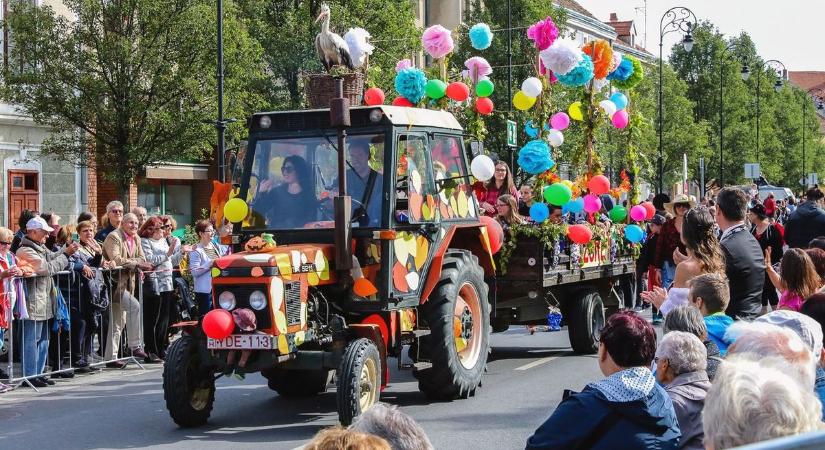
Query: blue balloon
x,y
619,99
531,130
575,206
539,212
634,233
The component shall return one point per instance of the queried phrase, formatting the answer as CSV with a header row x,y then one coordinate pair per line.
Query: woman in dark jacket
x,y
768,235
626,410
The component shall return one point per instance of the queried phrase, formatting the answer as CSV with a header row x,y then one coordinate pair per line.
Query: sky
x,y
787,30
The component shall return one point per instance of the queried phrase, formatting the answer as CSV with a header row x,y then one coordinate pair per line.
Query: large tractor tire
x,y
297,383
188,388
586,322
359,379
458,315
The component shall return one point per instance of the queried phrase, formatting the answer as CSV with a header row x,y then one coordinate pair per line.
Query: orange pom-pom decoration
x,y
484,105
602,56
374,96
401,101
580,234
599,185
458,91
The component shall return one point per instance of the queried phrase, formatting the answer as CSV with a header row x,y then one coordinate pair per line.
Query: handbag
x,y
94,289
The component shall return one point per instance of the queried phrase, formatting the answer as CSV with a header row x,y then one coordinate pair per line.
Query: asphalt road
x,y
125,409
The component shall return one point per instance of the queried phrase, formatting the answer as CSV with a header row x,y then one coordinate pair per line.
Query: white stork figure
x,y
331,48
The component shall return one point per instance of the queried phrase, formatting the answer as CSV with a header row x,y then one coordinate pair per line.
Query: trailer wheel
x,y
359,379
458,315
189,389
586,322
297,383
500,324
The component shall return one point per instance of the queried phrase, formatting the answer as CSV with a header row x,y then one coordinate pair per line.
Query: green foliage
x,y
136,78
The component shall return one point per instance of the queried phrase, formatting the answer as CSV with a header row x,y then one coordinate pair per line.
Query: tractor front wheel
x,y
188,387
359,379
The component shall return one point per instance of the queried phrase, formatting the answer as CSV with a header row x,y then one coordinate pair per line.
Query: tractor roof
x,y
360,117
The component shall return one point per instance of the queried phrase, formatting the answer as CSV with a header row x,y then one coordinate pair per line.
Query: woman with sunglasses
x,y
488,193
669,239
292,204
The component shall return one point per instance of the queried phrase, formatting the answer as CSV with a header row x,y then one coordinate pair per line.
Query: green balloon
x,y
618,214
435,89
557,194
484,88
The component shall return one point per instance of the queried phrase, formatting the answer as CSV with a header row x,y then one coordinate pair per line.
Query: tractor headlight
x,y
257,300
227,300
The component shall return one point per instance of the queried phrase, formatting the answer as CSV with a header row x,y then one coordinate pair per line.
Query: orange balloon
x,y
494,233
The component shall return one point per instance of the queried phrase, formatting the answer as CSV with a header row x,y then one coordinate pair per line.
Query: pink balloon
x,y
560,120
620,119
592,203
638,213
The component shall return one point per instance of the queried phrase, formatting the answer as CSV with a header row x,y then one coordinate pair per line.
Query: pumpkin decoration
x,y
260,244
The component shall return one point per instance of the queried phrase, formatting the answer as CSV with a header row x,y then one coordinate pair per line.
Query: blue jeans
x,y
35,339
668,273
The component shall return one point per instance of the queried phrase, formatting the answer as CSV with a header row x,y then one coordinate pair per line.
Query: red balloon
x,y
484,105
494,233
374,96
650,210
218,324
401,101
458,91
599,185
580,234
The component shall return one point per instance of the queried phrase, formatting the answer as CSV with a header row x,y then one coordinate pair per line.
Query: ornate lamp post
x,y
745,73
675,19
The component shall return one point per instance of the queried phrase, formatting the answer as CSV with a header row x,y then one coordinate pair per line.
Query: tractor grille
x,y
242,293
292,294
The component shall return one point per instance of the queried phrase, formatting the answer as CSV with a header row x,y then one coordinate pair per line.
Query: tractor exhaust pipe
x,y
339,118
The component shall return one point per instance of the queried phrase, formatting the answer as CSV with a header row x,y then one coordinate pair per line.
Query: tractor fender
x,y
372,332
467,236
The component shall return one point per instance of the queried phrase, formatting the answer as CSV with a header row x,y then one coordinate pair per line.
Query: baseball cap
x,y
37,223
658,219
806,327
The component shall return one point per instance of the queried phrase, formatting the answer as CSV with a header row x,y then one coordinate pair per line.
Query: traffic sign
x,y
511,133
752,171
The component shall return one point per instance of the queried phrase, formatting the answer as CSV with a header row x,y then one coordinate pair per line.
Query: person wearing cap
x,y
40,298
807,222
767,235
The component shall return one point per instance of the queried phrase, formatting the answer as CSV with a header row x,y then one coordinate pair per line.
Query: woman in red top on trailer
x,y
501,184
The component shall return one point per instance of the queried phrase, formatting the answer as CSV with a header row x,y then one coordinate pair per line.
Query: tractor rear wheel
x,y
188,387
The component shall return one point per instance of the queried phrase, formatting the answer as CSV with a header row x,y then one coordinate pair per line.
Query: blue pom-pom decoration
x,y
530,129
534,158
623,72
580,75
409,83
480,36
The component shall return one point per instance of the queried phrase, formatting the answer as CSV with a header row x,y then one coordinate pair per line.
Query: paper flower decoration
x,y
623,71
477,68
635,77
480,36
534,157
617,59
437,41
410,83
561,57
403,64
543,33
602,56
578,76
359,47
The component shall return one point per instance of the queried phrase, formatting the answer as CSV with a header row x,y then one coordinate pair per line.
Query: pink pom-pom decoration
x,y
620,119
437,41
374,96
401,101
403,64
477,68
592,203
599,185
617,59
638,213
543,33
458,91
559,121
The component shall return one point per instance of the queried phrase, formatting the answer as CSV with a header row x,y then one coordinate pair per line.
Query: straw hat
x,y
681,198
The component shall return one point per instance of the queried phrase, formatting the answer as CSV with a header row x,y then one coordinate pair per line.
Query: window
x,y
162,197
414,183
13,53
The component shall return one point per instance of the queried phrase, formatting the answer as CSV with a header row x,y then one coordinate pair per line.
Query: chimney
x,y
614,17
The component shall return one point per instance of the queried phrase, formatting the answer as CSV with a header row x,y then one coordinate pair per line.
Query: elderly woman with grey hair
x,y
752,399
388,422
690,320
680,366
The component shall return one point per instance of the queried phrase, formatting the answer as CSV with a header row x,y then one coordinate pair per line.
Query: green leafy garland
x,y
547,233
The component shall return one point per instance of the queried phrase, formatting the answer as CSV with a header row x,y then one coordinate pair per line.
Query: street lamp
x,y
815,93
777,86
681,19
744,73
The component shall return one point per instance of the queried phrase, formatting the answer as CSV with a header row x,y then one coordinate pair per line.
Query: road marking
x,y
537,362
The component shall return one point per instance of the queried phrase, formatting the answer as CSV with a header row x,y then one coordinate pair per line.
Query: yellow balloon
x,y
575,111
235,210
567,183
522,101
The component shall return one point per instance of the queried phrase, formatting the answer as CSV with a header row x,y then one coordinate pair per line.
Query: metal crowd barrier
x,y
64,278
808,441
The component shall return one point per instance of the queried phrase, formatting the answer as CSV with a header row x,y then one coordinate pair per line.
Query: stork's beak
x,y
320,16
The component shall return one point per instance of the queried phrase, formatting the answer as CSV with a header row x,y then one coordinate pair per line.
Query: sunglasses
x,y
287,169
682,205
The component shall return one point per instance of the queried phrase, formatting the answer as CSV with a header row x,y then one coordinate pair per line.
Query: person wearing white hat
x,y
39,295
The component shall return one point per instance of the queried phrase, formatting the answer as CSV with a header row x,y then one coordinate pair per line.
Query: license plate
x,y
242,342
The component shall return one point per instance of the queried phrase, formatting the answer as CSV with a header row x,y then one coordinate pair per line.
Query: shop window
x,y
161,197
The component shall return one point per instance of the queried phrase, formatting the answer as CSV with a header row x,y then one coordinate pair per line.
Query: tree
x,y
128,83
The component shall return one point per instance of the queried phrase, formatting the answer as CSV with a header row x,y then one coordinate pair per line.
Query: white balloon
x,y
555,137
532,87
482,167
609,107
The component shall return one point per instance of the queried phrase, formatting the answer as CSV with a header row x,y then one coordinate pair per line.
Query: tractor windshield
x,y
293,181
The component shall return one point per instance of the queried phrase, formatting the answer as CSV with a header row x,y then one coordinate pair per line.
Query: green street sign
x,y
511,133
